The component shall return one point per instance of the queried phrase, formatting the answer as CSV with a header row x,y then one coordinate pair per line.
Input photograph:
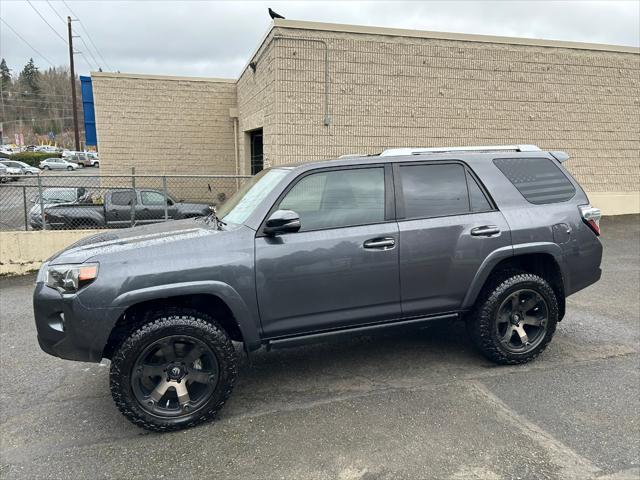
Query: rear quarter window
x,y
539,180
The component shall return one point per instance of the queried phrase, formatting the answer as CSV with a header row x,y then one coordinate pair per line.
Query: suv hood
x,y
129,238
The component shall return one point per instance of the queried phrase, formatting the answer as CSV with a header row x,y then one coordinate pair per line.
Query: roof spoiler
x,y
560,156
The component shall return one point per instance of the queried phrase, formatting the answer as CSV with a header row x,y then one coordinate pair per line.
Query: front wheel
x,y
515,318
70,168
175,372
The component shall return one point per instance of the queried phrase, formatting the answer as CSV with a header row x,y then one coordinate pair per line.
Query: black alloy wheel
x,y
174,375
174,371
521,321
515,317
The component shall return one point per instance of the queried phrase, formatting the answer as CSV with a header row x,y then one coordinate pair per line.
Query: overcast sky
x,y
216,38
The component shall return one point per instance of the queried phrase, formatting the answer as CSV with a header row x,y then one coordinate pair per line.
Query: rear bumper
x,y
583,264
67,329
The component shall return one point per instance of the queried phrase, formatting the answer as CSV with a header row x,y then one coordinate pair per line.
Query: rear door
x,y
341,268
118,206
448,226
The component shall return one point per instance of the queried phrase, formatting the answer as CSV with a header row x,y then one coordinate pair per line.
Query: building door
x,y
255,139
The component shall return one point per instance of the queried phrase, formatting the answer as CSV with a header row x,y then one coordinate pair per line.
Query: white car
x,y
57,164
22,167
47,149
12,172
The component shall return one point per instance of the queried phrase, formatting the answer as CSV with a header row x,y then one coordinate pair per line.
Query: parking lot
x,y
417,405
15,194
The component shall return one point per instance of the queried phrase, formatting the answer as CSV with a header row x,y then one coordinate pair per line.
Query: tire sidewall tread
x,y
161,324
481,324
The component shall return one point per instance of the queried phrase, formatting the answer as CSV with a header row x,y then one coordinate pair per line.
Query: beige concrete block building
x,y
315,91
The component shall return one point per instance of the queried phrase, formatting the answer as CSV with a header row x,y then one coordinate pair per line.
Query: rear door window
x,y
122,198
430,190
539,180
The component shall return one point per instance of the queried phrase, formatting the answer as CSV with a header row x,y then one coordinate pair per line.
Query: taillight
x,y
591,216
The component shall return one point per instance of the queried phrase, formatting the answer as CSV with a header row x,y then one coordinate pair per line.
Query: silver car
x,y
23,168
57,164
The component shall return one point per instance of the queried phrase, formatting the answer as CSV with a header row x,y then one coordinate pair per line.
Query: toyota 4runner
x,y
496,236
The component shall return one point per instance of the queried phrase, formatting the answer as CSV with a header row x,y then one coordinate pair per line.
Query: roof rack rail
x,y
394,152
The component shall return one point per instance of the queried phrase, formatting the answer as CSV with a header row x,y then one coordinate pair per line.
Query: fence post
x,y
24,205
133,196
164,190
44,221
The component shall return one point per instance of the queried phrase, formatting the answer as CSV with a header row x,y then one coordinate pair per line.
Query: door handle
x,y
485,231
380,243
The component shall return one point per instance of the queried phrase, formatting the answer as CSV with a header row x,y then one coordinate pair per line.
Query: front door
x,y
341,268
152,207
447,227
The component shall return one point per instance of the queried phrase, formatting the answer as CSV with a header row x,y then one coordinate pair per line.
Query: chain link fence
x,y
76,201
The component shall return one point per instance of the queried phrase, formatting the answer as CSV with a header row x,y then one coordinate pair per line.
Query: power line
x,y
45,21
38,119
56,12
48,102
45,94
95,62
88,35
88,50
27,43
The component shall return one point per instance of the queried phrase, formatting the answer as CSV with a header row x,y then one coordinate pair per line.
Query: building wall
x,y
256,104
392,91
164,125
382,88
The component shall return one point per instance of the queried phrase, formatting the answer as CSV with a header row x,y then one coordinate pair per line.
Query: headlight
x,y
71,278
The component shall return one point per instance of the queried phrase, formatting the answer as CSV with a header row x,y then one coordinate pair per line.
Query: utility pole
x,y
76,131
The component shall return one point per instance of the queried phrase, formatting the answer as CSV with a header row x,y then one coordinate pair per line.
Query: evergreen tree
x,y
30,78
5,75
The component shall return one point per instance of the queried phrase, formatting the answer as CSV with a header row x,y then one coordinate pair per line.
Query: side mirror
x,y
282,221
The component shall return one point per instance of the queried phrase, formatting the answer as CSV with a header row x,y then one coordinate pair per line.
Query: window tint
x,y
477,198
539,180
123,197
152,198
338,198
434,190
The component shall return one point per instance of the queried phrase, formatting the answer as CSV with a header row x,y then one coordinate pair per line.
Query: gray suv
x,y
495,236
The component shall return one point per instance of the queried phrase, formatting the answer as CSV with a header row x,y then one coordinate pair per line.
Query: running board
x,y
361,330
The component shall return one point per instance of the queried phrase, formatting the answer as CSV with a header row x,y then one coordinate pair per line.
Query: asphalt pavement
x,y
419,405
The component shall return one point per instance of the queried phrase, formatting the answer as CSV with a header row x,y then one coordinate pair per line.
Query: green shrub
x,y
30,158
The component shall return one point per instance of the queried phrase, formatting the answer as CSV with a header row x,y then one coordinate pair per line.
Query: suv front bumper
x,y
67,329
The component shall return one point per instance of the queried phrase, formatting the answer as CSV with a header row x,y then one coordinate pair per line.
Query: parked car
x,y
13,173
84,160
58,164
23,168
495,236
120,208
4,174
47,149
55,196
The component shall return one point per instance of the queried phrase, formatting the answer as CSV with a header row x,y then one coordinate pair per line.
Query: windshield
x,y
238,208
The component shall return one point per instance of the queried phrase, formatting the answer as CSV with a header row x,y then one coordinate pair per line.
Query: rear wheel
x,y
175,372
515,318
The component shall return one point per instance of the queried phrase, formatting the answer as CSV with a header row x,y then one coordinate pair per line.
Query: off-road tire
x,y
163,324
481,321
